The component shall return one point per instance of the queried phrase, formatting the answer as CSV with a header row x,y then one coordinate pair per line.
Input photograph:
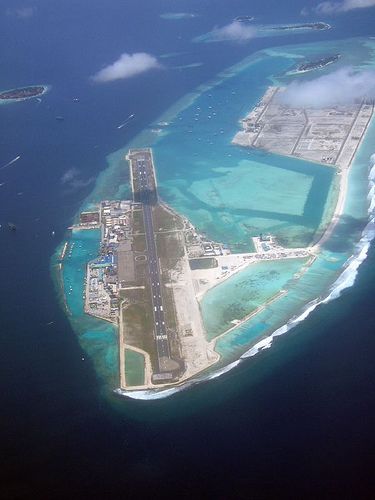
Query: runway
x,y
144,183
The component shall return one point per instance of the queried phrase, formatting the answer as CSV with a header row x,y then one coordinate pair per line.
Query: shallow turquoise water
x,y
83,246
231,193
244,292
312,283
98,338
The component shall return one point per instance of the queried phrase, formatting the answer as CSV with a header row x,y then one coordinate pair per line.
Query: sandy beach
x,y
343,188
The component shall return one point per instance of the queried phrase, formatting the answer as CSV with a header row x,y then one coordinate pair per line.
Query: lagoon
x,y
232,194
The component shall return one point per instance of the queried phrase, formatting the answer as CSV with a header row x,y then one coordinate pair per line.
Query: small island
x,y
313,65
304,26
23,93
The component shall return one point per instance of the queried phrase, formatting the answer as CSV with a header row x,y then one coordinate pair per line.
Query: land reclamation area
x,y
228,194
153,269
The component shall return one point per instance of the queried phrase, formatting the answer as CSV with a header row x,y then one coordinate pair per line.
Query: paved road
x,y
148,197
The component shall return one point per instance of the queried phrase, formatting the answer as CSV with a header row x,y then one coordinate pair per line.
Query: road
x,y
144,176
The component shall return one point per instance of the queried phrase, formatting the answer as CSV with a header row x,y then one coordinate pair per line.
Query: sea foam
x,y
345,280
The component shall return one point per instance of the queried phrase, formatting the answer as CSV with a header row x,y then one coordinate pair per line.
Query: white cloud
x,y
343,86
236,31
329,7
126,66
73,181
176,16
80,183
22,12
69,175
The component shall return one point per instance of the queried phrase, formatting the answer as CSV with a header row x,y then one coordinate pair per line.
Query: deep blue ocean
x,y
296,420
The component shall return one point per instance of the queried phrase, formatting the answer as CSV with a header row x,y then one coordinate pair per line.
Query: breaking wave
x,y
345,280
165,393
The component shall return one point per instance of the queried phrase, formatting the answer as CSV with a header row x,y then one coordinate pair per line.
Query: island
x,y
329,135
317,64
262,30
23,93
153,269
304,26
200,247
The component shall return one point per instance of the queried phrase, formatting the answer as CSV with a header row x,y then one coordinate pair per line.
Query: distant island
x,y
243,19
23,93
262,30
318,64
312,26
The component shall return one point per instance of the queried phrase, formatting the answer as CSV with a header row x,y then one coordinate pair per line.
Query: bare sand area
x,y
327,135
230,264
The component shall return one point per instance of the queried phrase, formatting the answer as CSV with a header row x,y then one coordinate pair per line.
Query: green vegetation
x,y
169,309
134,368
166,220
138,323
138,224
139,243
138,320
207,263
170,248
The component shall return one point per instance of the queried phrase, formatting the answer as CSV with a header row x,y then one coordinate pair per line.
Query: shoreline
x,y
340,205
262,307
315,249
343,188
46,88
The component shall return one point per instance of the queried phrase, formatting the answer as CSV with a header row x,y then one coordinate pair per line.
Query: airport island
x,y
166,299
154,267
152,271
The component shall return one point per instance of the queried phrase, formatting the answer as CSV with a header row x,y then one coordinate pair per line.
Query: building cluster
x,y
198,246
286,254
116,223
267,248
89,219
100,298
250,126
104,273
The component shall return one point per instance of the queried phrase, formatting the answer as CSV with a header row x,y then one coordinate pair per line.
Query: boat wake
x,y
128,120
11,162
345,280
